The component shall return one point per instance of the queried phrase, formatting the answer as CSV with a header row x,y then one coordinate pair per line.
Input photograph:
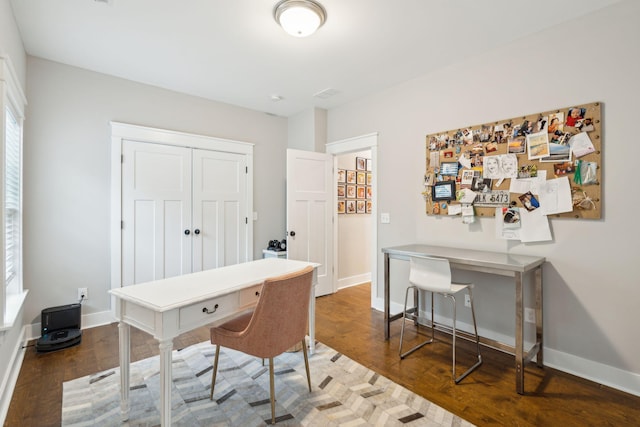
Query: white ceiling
x,y
233,51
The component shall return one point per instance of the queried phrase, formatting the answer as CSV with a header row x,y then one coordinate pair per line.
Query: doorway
x,y
361,144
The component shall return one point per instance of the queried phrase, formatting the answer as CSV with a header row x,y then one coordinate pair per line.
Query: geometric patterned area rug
x,y
344,393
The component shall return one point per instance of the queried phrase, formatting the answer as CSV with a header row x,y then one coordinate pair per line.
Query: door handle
x,y
292,233
187,232
196,231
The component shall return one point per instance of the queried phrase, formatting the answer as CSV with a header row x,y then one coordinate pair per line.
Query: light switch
x,y
385,218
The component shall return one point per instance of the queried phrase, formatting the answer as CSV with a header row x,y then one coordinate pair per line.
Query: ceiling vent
x,y
326,93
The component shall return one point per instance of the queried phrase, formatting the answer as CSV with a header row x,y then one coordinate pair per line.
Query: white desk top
x,y
167,294
496,260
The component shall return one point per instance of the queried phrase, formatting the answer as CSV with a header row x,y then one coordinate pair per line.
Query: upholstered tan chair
x,y
278,322
429,274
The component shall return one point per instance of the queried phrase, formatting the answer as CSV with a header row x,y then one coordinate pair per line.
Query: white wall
x,y
591,281
67,185
354,236
307,130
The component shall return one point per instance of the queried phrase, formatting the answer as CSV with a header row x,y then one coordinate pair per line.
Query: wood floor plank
x,y
345,322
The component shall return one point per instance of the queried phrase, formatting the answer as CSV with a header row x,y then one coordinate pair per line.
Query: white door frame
x,y
350,145
124,131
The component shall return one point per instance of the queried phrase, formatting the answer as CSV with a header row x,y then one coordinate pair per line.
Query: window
x,y
12,202
12,103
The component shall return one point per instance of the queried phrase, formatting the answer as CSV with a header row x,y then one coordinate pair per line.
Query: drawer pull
x,y
206,310
257,293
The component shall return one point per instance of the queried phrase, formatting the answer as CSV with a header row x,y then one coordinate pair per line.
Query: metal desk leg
x,y
387,296
539,329
519,350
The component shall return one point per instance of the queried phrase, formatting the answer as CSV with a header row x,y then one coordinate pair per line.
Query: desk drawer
x,y
250,296
194,315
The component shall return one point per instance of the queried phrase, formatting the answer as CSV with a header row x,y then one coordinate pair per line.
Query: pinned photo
x,y
575,115
565,168
529,201
511,218
481,185
538,145
528,171
541,124
559,148
585,125
556,123
517,145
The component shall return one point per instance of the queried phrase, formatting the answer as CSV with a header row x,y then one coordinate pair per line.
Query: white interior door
x,y
219,209
156,211
310,212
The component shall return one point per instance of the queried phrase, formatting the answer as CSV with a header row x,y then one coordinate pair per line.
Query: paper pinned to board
x,y
555,196
534,226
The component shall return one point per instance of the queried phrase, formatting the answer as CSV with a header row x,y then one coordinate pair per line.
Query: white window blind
x,y
12,197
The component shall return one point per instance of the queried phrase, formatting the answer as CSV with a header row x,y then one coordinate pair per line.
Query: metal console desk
x,y
516,266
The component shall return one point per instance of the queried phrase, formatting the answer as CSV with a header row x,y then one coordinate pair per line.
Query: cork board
x,y
565,142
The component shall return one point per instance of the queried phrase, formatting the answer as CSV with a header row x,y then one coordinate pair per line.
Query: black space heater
x,y
60,328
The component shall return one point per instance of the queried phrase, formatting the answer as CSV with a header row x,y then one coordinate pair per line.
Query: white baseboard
x,y
610,376
600,373
88,321
11,375
359,279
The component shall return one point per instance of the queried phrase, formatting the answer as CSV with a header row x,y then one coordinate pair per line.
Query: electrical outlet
x,y
81,292
529,315
467,301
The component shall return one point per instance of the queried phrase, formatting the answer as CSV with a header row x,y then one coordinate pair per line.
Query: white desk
x,y
503,264
169,307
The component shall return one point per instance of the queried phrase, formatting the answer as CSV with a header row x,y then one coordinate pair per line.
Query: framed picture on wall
x,y
361,163
369,178
351,177
368,164
341,206
361,192
361,178
342,176
350,206
361,206
369,206
341,190
351,191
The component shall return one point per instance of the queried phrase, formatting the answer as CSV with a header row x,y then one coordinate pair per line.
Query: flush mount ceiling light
x,y
300,18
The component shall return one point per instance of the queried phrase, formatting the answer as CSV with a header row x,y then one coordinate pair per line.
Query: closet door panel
x,y
156,211
220,206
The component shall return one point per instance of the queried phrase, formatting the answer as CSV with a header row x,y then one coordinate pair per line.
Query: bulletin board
x,y
485,158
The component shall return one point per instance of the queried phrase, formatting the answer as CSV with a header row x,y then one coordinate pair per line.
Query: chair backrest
x,y
432,274
281,316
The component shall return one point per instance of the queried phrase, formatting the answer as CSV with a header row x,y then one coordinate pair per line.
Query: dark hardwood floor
x,y
345,322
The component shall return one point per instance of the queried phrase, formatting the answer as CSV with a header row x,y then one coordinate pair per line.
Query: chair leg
x,y
404,313
272,392
306,362
215,370
475,329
